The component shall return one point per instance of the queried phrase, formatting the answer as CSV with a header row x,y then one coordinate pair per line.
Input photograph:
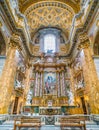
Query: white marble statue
x,y
29,98
71,98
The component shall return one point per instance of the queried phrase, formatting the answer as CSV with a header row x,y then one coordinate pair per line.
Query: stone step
x,y
90,123
91,126
6,128
8,125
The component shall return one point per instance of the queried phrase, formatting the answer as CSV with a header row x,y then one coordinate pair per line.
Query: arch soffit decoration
x,y
24,4
49,14
76,34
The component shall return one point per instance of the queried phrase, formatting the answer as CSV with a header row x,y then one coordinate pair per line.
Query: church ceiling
x,y
45,13
24,4
49,14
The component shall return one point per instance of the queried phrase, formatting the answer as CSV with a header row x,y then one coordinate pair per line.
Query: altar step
x,y
8,125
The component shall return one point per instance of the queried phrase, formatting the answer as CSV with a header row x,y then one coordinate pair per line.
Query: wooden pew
x,y
72,122
26,122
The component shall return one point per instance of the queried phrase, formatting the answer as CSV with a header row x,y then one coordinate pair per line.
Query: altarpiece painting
x,y
49,83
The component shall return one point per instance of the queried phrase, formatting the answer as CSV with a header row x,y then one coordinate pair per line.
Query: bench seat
x,y
27,123
68,122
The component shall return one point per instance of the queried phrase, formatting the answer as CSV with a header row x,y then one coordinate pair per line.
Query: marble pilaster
x,y
8,75
90,75
36,84
63,84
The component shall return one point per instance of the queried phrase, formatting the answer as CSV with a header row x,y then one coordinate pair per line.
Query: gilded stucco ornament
x,y
49,14
24,4
15,41
83,41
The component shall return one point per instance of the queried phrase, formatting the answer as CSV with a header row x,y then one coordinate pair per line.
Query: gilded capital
x,y
15,41
83,41
84,45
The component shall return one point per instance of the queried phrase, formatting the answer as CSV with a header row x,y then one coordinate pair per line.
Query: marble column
x,y
36,84
72,84
90,75
61,89
63,84
27,80
8,75
41,84
58,84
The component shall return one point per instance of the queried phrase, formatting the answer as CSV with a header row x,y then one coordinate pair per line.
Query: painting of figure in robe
x,y
49,83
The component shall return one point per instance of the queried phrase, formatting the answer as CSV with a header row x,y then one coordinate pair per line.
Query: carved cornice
x,y
74,41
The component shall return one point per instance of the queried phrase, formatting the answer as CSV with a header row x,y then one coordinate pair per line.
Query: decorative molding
x,y
24,4
74,40
83,41
49,14
15,41
15,29
84,28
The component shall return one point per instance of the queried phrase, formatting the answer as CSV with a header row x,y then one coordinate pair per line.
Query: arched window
x,y
49,43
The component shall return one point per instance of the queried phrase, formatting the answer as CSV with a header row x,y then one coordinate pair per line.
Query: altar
x,y
50,110
50,95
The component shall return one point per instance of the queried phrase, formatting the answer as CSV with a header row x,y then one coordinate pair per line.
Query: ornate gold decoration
x,y
15,41
83,41
36,50
64,49
49,14
56,101
24,4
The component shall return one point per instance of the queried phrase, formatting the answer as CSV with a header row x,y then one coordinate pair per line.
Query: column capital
x,y
15,41
83,46
83,41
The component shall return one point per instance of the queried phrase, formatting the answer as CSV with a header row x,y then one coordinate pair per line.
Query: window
x,y
49,43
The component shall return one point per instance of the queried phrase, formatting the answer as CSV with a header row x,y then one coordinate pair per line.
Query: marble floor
x,y
9,125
